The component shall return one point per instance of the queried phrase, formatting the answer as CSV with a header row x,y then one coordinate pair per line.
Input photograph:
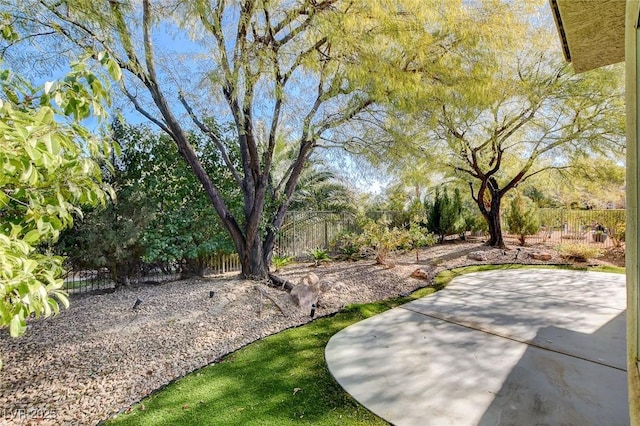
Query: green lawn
x,y
279,380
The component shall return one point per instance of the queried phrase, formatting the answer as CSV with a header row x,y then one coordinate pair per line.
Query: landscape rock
x,y
420,274
478,255
312,281
540,255
304,296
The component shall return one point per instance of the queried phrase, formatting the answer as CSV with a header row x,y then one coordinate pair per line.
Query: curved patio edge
x,y
498,347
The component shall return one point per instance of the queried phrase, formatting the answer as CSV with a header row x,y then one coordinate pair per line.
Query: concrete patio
x,y
506,347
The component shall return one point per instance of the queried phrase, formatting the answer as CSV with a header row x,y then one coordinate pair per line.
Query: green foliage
x,y
580,252
279,262
522,217
110,237
518,112
416,238
382,238
445,215
49,167
594,182
319,255
162,216
321,190
474,222
348,245
401,206
540,197
614,223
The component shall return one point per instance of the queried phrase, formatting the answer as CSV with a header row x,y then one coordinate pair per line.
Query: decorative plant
x,y
578,251
279,262
348,245
416,237
445,214
319,255
522,217
382,239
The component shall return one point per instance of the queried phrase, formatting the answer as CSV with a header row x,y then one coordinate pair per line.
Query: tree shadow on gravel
x,y
261,385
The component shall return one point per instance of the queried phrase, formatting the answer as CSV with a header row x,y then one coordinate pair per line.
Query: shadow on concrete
x,y
560,389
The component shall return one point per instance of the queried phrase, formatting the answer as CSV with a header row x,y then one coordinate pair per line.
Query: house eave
x,y
591,31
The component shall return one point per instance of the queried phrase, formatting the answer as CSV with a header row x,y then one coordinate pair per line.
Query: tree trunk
x,y
493,220
252,259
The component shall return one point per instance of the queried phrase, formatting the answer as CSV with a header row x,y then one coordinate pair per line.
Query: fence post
x,y
326,234
293,234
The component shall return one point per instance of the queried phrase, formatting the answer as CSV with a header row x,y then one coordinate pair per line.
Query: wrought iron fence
x,y
303,231
604,228
83,281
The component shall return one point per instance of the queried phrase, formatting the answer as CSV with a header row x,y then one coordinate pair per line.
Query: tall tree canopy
x,y
316,69
528,112
541,111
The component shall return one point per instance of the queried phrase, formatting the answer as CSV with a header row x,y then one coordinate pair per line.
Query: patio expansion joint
x,y
512,338
547,297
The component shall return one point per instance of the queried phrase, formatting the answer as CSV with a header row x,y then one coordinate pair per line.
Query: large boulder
x,y
312,281
306,294
304,297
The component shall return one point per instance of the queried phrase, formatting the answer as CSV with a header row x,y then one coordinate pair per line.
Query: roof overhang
x,y
591,31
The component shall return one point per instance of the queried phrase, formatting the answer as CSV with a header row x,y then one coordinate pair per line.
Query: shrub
x,y
618,234
415,238
522,217
279,262
474,222
348,246
578,252
319,255
444,215
614,223
383,239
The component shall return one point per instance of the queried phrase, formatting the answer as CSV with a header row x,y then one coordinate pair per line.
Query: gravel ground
x,y
100,356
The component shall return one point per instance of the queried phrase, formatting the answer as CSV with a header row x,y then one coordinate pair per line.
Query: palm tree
x,y
321,190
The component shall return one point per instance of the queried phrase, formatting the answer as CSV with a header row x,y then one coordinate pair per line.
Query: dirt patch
x,y
101,355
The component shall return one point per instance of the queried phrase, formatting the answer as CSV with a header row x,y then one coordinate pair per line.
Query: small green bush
x,y
416,237
474,221
319,255
522,217
445,214
578,251
348,245
279,262
382,239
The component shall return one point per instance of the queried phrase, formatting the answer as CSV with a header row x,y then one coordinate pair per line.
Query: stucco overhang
x,y
591,31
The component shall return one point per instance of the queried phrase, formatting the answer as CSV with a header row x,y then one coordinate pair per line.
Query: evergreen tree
x,y
522,217
445,215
